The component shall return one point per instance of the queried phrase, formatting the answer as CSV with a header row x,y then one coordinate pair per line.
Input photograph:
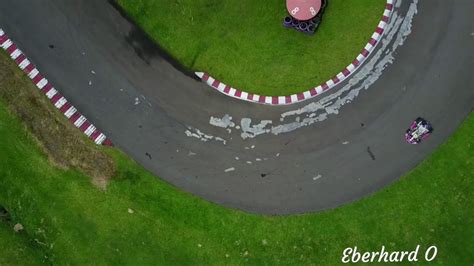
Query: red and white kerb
x,y
59,101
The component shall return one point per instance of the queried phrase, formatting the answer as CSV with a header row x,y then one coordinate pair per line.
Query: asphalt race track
x,y
315,155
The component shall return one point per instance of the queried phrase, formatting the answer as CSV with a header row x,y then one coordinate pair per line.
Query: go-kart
x,y
419,130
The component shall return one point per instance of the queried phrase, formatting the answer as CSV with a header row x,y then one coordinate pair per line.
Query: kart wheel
x,y
430,128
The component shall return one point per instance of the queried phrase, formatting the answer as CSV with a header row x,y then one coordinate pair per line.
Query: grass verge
x,y
65,146
142,220
14,246
243,42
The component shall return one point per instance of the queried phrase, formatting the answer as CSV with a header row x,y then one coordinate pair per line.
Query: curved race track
x,y
341,146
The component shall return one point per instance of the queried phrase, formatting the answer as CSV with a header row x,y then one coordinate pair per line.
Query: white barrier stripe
x,y
7,44
33,73
281,99
307,94
294,98
232,91
210,81
90,130
71,111
330,83
221,86
200,74
42,83
351,67
51,93
60,102
100,139
15,54
80,121
340,76
319,89
24,64
376,36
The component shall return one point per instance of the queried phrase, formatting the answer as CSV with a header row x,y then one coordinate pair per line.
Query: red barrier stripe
x,y
346,72
65,107
325,86
37,78
56,98
3,39
275,100
11,49
74,117
47,88
227,89
28,68
85,126
365,53
20,59
216,83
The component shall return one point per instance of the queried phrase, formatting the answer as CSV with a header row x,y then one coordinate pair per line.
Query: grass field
x,y
15,248
243,42
141,220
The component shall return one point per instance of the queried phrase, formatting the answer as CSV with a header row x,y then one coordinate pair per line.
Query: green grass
x,y
68,220
243,42
68,151
15,248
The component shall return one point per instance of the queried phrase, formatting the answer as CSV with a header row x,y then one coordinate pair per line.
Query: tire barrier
x,y
295,23
311,29
303,26
315,21
306,26
287,21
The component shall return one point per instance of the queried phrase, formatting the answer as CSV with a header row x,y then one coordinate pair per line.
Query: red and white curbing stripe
x,y
298,97
53,95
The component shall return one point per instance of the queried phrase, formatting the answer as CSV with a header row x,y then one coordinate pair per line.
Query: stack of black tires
x,y
307,26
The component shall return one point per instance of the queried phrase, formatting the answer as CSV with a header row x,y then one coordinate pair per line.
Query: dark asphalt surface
x,y
431,76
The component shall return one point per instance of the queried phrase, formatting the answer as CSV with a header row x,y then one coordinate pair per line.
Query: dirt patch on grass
x,y
65,146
